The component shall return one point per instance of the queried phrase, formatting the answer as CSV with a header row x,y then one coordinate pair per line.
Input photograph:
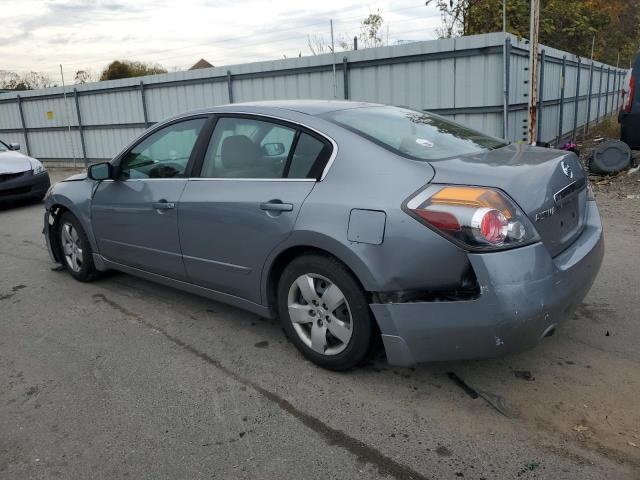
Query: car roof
x,y
309,107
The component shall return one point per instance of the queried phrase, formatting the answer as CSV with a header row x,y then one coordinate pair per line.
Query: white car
x,y
21,177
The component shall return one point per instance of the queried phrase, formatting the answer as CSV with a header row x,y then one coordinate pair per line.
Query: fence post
x,y
144,105
543,57
617,91
562,84
24,126
229,87
606,98
586,124
80,129
345,77
599,94
506,78
577,100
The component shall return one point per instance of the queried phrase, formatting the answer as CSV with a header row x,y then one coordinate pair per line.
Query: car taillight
x,y
476,218
632,93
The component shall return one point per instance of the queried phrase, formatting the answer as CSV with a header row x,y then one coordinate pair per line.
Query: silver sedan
x,y
351,222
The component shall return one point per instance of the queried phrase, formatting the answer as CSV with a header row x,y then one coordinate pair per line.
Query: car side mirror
x,y
100,171
273,149
14,146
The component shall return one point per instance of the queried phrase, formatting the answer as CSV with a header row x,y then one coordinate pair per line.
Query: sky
x,y
39,35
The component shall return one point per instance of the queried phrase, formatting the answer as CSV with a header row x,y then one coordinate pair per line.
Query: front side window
x,y
418,135
247,148
3,147
164,154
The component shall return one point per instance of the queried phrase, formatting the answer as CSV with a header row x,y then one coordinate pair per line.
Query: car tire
x,y
75,249
333,333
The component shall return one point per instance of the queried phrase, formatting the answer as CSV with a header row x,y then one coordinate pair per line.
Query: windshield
x,y
418,135
3,147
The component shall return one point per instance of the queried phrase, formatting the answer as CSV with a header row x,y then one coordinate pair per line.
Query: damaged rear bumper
x,y
524,294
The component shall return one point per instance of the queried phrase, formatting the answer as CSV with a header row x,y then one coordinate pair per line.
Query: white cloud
x,y
87,34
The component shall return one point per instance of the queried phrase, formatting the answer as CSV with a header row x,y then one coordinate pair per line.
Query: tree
x,y
370,36
84,76
564,24
127,68
370,30
318,45
28,81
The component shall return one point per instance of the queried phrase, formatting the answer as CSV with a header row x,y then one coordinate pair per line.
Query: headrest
x,y
239,152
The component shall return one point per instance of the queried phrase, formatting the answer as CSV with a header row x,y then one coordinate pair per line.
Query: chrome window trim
x,y
160,125
142,179
199,179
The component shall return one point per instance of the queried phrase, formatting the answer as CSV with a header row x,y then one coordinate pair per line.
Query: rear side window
x,y
310,154
247,148
418,135
243,147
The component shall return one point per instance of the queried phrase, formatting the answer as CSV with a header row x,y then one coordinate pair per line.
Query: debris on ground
x,y
499,403
461,383
524,375
581,428
532,465
496,401
610,156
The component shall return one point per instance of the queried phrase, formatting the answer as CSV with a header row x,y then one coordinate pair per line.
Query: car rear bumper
x,y
524,294
24,187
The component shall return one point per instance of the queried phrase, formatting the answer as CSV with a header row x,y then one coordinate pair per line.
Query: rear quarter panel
x,y
367,176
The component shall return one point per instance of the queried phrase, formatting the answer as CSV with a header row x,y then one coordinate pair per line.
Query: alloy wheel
x,y
71,246
320,314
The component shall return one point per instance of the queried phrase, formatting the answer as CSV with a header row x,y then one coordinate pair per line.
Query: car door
x,y
255,175
134,216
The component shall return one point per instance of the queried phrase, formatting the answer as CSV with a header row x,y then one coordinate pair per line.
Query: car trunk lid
x,y
548,185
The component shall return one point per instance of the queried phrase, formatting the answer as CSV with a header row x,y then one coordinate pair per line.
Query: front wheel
x,y
325,312
75,249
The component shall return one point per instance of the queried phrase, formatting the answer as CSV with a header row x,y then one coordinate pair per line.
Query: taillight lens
x,y
632,93
476,218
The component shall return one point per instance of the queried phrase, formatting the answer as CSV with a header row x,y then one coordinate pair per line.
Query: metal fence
x,y
460,78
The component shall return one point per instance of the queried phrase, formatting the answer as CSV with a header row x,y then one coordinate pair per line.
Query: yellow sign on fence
x,y
49,115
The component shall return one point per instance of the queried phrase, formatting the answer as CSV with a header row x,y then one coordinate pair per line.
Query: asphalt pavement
x,y
123,378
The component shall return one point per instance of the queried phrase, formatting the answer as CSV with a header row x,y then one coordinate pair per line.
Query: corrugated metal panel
x,y
14,137
105,144
9,116
111,108
460,77
54,145
35,112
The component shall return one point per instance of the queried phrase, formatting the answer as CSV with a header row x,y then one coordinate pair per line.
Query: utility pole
x,y
333,51
505,74
66,106
504,16
533,71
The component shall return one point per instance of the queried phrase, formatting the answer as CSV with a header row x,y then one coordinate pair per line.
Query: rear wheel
x,y
75,249
325,312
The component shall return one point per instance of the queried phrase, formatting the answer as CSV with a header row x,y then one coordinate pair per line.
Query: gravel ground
x,y
124,378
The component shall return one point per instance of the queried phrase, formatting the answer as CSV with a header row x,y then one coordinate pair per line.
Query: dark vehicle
x,y
629,116
21,177
349,221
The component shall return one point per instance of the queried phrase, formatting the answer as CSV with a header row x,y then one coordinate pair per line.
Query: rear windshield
x,y
418,135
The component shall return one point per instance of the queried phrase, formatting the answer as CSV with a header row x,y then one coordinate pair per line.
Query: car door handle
x,y
276,206
164,205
